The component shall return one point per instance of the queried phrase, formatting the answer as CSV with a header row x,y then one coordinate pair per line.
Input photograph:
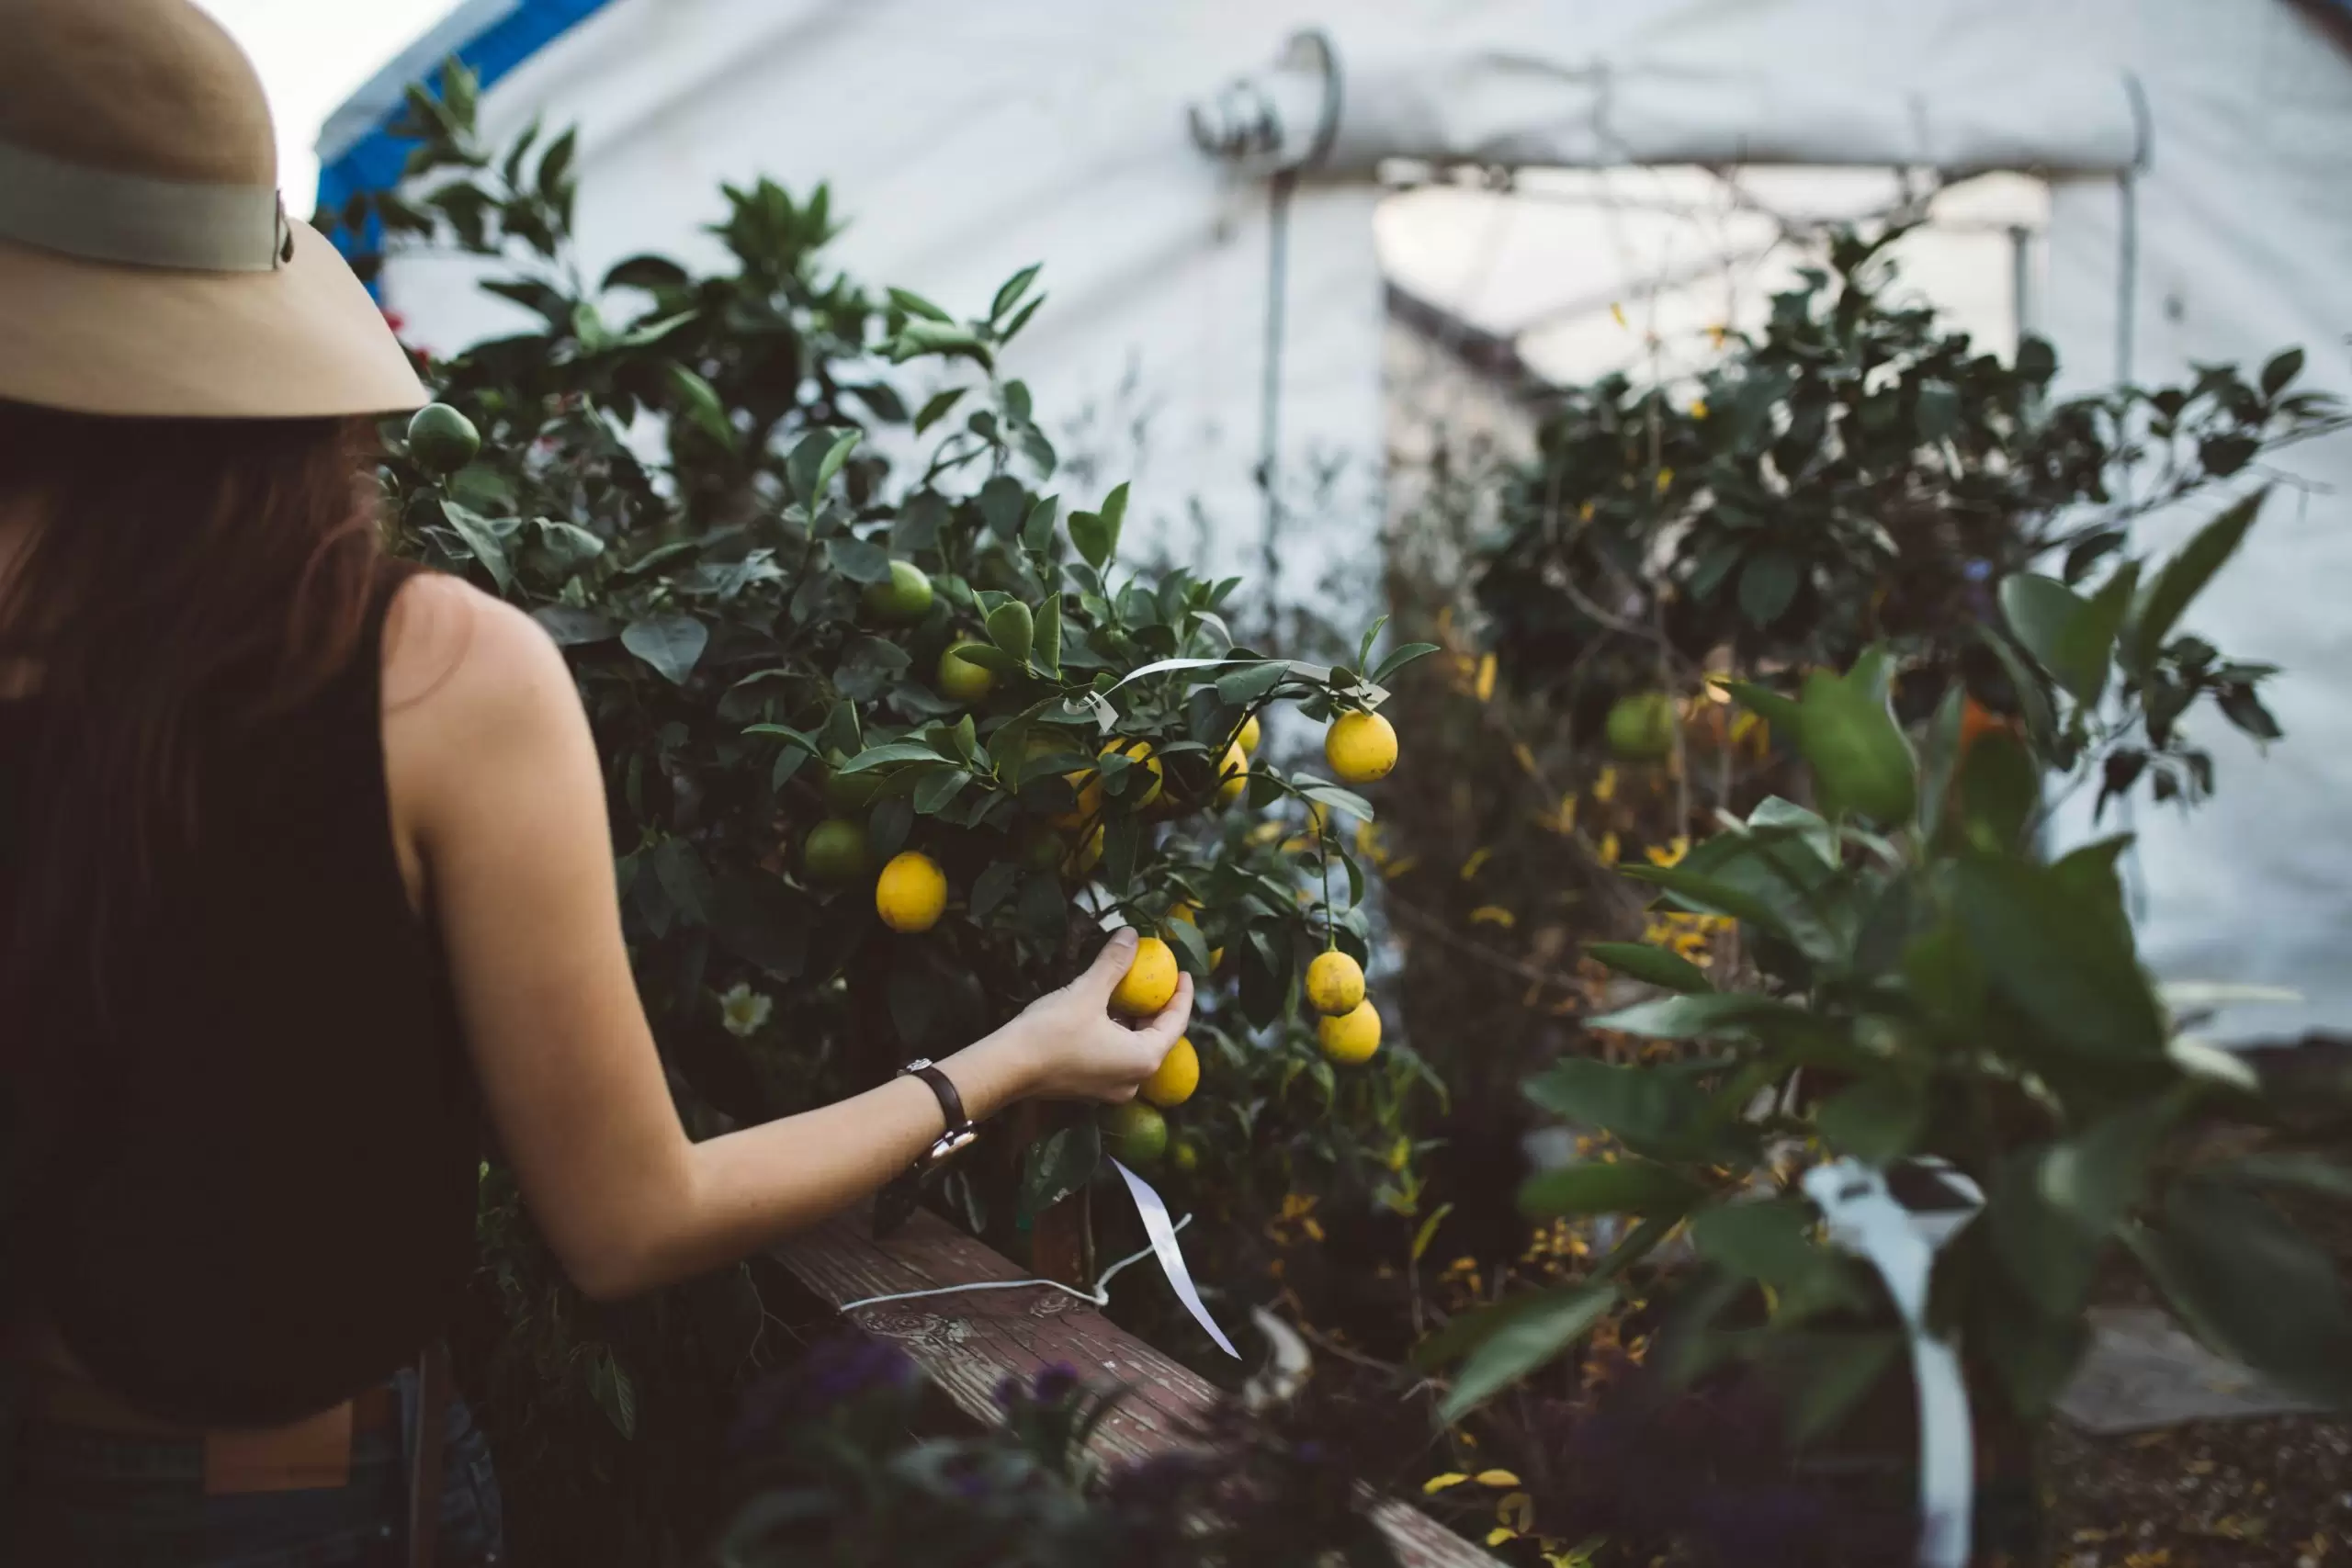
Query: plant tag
x,y
1156,1225
1864,1218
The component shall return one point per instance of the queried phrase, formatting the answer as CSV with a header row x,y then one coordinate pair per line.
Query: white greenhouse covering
x,y
2189,163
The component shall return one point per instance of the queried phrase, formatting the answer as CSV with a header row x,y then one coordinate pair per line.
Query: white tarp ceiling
x,y
968,140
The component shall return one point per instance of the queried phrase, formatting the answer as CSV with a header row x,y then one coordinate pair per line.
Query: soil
x,y
2212,1495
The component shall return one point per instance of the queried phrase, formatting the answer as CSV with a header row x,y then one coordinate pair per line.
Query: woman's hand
x,y
1078,1051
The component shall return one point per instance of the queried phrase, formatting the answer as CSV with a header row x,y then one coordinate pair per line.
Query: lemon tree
x,y
892,729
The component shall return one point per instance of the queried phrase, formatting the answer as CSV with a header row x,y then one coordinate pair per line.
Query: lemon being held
x,y
1134,1134
911,893
1351,1037
1149,983
1361,746
1178,1075
1335,984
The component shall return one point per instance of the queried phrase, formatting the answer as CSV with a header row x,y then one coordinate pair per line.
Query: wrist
x,y
999,1069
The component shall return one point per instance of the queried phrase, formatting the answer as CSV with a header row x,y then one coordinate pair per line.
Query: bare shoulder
x,y
456,656
475,693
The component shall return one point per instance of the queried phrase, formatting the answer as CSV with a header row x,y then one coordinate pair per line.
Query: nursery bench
x,y
968,1343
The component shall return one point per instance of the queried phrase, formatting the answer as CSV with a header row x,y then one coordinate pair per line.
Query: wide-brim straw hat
x,y
147,266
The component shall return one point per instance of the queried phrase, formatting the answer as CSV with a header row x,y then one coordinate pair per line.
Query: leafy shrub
x,y
800,600
1922,989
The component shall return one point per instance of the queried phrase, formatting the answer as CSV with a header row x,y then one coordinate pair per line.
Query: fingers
x,y
1173,1019
1103,976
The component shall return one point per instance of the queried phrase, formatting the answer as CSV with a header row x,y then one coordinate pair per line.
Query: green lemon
x,y
1135,1133
1641,727
848,794
443,439
836,854
902,598
962,679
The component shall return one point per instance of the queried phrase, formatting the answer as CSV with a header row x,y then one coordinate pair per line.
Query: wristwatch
x,y
960,1131
896,1200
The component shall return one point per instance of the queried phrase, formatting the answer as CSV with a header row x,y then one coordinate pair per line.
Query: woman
x,y
302,858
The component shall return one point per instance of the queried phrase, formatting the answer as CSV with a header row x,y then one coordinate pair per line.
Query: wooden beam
x,y
969,1342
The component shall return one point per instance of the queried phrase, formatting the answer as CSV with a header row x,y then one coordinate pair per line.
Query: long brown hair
x,y
184,578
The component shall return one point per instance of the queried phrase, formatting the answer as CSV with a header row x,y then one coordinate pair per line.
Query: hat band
x,y
105,215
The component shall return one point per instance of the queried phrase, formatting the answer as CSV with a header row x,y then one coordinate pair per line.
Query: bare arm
x,y
497,788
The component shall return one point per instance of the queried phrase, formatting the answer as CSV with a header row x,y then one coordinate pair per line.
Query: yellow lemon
x,y
1335,984
912,892
1086,856
1247,739
962,679
1150,980
1361,746
1351,1037
1233,774
1178,1075
1139,753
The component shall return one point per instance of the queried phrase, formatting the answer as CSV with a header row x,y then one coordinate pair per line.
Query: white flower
x,y
743,1011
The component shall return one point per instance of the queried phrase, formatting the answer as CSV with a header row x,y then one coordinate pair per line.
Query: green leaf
x,y
1014,288
2283,367
1037,530
1654,966
1013,627
1537,1331
1702,1016
2059,957
835,455
2251,1286
1769,1240
571,626
937,408
672,644
1093,541
1055,1167
1877,1120
615,1395
890,754
914,304
1774,707
1938,409
1115,517
1399,658
1046,652
1862,760
1809,828
2182,578
1600,1187
860,560
2312,1172
482,538
699,402
1767,586
2072,639
1639,1105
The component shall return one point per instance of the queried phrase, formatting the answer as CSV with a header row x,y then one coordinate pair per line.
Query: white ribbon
x,y
1863,1218
1171,1257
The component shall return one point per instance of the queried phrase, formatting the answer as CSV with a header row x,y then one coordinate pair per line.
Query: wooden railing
x,y
968,1343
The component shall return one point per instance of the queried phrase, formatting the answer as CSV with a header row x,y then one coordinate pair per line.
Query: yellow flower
x,y
1609,848
1500,1534
1477,863
1497,1478
1699,409
1604,788
1665,479
1669,854
1436,1483
1493,915
1525,758
1487,679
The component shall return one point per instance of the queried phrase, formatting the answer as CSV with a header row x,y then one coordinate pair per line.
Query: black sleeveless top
x,y
265,1201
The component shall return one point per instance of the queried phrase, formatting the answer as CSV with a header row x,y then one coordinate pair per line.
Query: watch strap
x,y
951,1103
